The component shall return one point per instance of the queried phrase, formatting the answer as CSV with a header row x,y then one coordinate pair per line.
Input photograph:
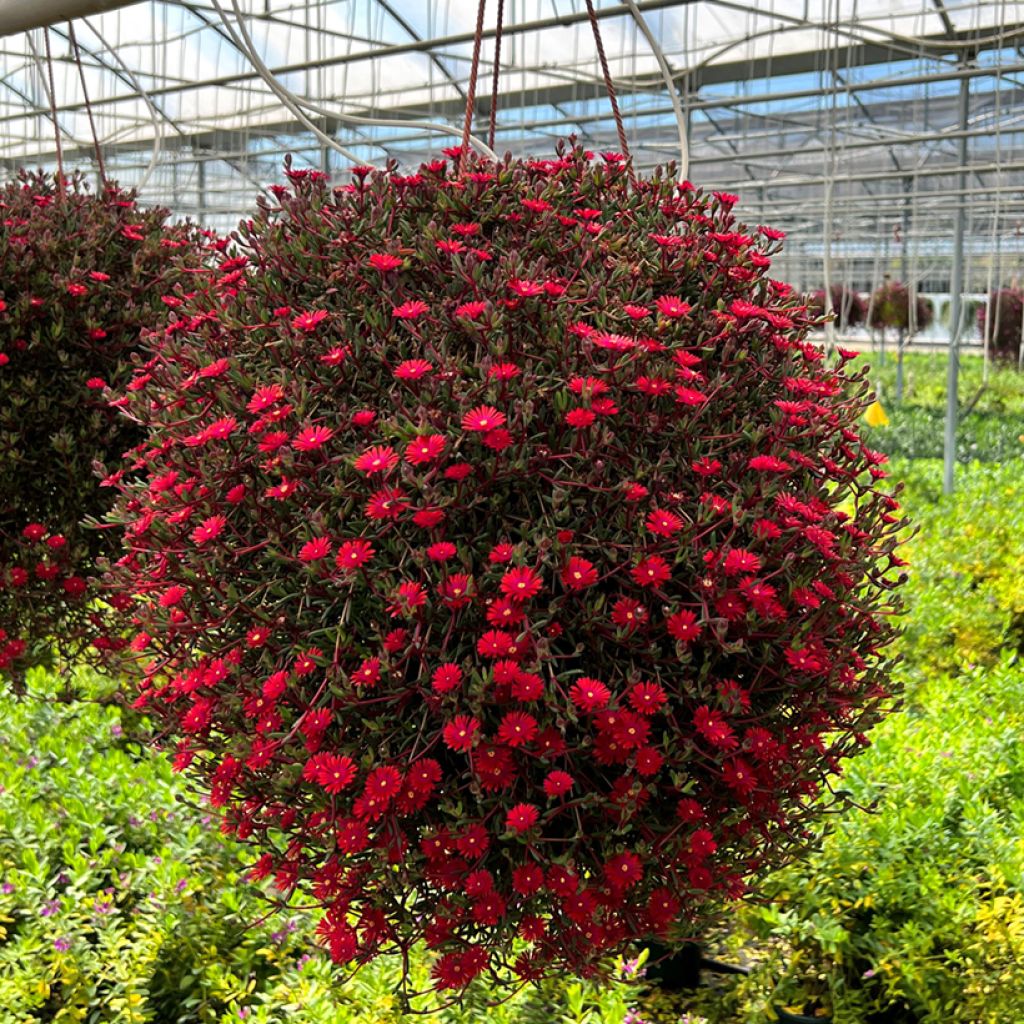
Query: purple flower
x,y
61,945
7,888
182,885
116,730
50,907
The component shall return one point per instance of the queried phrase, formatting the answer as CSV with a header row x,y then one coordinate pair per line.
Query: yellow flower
x,y
875,415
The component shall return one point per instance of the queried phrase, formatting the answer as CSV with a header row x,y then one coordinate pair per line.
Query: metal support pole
x,y
907,332
956,299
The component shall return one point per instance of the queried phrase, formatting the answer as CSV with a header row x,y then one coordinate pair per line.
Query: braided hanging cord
x,y
88,105
497,72
467,124
608,84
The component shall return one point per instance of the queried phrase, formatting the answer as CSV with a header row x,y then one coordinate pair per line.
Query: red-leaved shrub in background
x,y
849,308
890,307
510,567
80,275
1003,320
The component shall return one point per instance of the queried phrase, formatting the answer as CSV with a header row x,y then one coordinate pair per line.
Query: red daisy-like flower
x,y
706,467
460,733
209,530
738,775
425,449
714,728
651,571
409,596
769,464
368,673
739,562
628,614
579,418
521,583
442,551
497,440
690,396
501,553
522,818
525,289
623,871
635,312
457,590
308,322
579,573
504,371
495,643
471,310
353,554
646,698
413,369
387,503
483,418
334,772
558,783
263,398
672,306
310,438
410,310
172,596
384,261
315,549
517,728
590,694
446,678
335,356
377,459
664,523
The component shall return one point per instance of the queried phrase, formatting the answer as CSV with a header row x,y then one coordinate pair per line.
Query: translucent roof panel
x,y
844,121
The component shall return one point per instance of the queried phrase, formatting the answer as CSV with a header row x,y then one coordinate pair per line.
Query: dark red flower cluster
x,y
80,276
890,307
1002,320
509,565
847,305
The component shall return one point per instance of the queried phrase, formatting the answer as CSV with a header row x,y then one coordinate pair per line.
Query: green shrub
x,y
966,587
914,912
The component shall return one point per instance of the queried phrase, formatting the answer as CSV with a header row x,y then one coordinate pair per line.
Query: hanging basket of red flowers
x,y
82,274
510,568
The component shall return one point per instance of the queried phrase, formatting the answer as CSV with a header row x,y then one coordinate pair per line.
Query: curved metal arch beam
x,y
218,27
124,74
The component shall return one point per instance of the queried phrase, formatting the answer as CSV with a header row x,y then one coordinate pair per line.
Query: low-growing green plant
x,y
967,573
913,913
120,901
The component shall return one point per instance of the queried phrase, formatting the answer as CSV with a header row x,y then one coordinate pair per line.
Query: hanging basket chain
x,y
467,124
88,105
53,112
608,84
496,75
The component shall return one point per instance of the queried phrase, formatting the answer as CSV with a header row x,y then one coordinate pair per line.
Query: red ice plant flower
x,y
82,275
586,670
